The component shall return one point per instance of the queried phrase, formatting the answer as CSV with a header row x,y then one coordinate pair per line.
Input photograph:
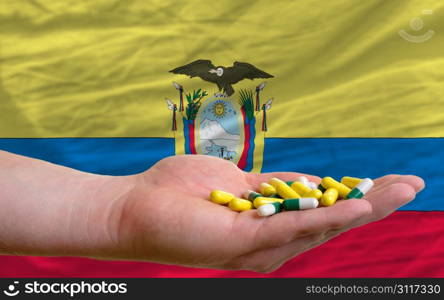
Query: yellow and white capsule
x,y
303,180
238,204
351,182
315,193
300,188
221,197
267,189
312,185
269,209
283,189
329,197
329,182
259,201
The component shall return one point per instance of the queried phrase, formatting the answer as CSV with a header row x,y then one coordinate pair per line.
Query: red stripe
x,y
406,244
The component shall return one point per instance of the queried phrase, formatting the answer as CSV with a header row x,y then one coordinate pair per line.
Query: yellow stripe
x,y
100,68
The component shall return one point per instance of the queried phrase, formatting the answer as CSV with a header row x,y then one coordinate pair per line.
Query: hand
x,y
168,218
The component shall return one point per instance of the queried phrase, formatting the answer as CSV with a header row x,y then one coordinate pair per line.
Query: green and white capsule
x,y
300,203
251,195
269,209
361,189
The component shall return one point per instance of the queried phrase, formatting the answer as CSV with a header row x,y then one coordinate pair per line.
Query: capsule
x,y
351,182
360,189
267,189
303,180
238,204
329,197
259,201
283,189
274,196
300,203
251,195
300,188
316,193
221,197
312,185
269,209
328,182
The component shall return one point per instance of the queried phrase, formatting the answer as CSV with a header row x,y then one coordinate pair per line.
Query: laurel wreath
x,y
194,103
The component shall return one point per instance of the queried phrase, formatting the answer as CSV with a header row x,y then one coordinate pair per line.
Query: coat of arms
x,y
221,125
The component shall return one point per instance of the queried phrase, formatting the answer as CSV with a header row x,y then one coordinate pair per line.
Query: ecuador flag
x,y
357,90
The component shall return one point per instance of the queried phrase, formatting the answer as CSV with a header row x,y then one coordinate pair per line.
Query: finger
x,y
285,227
416,182
289,251
270,259
388,199
256,179
384,181
398,189
267,260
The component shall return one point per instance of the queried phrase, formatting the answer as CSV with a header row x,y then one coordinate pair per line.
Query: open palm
x,y
169,219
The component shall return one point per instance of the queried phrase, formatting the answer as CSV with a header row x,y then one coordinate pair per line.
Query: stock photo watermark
x,y
12,290
417,24
70,289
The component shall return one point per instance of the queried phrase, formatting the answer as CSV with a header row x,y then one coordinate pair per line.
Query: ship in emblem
x,y
221,125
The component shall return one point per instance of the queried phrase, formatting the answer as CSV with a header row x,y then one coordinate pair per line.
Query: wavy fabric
x,y
100,68
369,251
360,157
358,91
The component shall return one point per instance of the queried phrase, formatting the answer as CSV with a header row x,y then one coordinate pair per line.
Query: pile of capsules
x,y
277,195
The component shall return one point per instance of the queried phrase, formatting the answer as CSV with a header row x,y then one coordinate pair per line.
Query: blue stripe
x,y
364,157
360,157
110,156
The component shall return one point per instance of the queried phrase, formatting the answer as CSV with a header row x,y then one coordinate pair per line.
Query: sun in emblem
x,y
219,109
